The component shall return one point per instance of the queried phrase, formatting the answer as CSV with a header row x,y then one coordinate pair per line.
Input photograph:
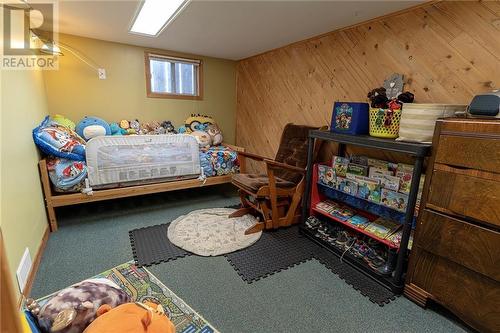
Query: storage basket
x,y
350,118
384,123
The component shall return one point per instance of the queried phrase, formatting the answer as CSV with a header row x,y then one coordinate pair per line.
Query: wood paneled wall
x,y
448,52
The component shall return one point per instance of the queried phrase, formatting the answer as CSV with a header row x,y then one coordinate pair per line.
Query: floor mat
x,y
151,246
141,285
274,252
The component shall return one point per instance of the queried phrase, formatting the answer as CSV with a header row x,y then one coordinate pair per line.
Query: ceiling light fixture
x,y
154,15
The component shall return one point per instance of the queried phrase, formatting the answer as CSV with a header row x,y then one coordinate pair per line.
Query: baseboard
x,y
34,267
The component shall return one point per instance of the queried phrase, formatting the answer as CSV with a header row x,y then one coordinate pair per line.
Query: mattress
x,y
141,158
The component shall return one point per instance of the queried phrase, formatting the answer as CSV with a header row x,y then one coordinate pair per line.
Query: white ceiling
x,y
223,29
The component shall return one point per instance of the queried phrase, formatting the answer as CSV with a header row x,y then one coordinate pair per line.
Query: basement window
x,y
173,77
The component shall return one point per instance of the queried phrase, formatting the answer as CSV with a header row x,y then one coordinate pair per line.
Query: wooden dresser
x,y
455,259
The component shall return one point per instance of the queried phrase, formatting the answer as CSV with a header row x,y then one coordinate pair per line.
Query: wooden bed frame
x,y
55,199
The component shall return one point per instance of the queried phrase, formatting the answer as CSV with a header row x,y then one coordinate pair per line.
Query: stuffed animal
x,y
63,121
378,98
90,127
135,127
406,97
146,317
169,127
116,129
72,309
394,85
197,123
215,134
124,124
203,138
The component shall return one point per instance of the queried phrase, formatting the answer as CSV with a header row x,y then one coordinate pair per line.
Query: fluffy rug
x,y
209,232
141,285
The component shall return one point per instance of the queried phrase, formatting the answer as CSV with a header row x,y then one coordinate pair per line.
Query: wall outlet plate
x,y
102,73
24,269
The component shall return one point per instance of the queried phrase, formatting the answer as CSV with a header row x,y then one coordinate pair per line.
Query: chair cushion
x,y
253,182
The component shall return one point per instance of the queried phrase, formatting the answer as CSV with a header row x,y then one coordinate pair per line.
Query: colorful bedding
x,y
219,161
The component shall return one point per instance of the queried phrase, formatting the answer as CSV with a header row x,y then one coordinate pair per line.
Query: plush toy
x,y
378,98
135,127
197,123
90,127
203,138
169,127
215,134
63,121
146,317
394,85
72,309
116,129
406,97
124,124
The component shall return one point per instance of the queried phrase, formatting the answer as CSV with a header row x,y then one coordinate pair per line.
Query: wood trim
x,y
9,313
402,11
417,294
151,94
34,268
468,172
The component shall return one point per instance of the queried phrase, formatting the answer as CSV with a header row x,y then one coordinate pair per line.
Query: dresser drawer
x,y
471,296
471,246
463,193
469,143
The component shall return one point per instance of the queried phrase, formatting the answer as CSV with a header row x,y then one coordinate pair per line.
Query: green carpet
x,y
306,298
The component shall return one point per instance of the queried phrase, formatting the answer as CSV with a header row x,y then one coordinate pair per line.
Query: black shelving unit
x,y
417,150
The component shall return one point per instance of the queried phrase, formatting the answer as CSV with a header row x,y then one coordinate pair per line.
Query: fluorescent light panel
x,y
154,15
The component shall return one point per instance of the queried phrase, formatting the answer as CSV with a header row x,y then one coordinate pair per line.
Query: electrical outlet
x,y
24,269
102,73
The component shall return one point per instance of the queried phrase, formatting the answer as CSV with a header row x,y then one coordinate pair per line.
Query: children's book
x,y
342,213
382,227
347,185
327,206
387,181
357,169
359,221
340,165
394,200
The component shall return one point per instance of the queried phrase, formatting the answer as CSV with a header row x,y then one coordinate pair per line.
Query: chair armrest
x,y
252,156
279,165
233,147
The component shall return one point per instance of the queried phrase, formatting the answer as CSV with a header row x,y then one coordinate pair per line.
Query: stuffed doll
x,y
146,317
406,97
135,127
63,121
72,309
169,127
203,138
196,122
215,134
116,129
90,127
378,98
124,124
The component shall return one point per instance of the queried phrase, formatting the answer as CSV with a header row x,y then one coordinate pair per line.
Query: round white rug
x,y
210,232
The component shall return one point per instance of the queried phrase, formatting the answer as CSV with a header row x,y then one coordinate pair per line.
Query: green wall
x,y
75,90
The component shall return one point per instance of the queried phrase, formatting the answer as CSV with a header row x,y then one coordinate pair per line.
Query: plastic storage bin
x,y
350,118
384,123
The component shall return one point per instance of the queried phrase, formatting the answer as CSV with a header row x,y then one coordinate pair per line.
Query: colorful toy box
x,y
350,118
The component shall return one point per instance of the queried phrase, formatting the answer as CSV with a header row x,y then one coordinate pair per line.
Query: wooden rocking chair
x,y
275,197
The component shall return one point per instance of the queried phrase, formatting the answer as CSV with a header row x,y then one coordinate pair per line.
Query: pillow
x,y
56,140
66,174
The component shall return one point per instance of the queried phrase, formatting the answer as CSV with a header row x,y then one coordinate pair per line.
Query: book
x,y
359,221
326,175
382,227
347,185
358,159
405,173
394,200
395,238
327,206
357,169
342,213
387,181
369,189
340,165
379,171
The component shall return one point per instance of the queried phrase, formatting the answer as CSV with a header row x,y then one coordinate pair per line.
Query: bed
x,y
119,167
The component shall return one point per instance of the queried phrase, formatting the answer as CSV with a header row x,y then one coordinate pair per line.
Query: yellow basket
x,y
384,123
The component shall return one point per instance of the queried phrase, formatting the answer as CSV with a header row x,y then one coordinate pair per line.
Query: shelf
x,y
415,149
358,264
362,231
359,203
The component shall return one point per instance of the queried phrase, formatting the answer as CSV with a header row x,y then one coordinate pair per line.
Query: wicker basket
x,y
384,123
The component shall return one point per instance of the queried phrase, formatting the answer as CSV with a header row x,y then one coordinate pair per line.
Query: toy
x,y
63,121
394,85
54,139
116,129
169,127
406,97
197,123
215,133
378,98
135,127
74,308
204,140
146,317
124,124
90,127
